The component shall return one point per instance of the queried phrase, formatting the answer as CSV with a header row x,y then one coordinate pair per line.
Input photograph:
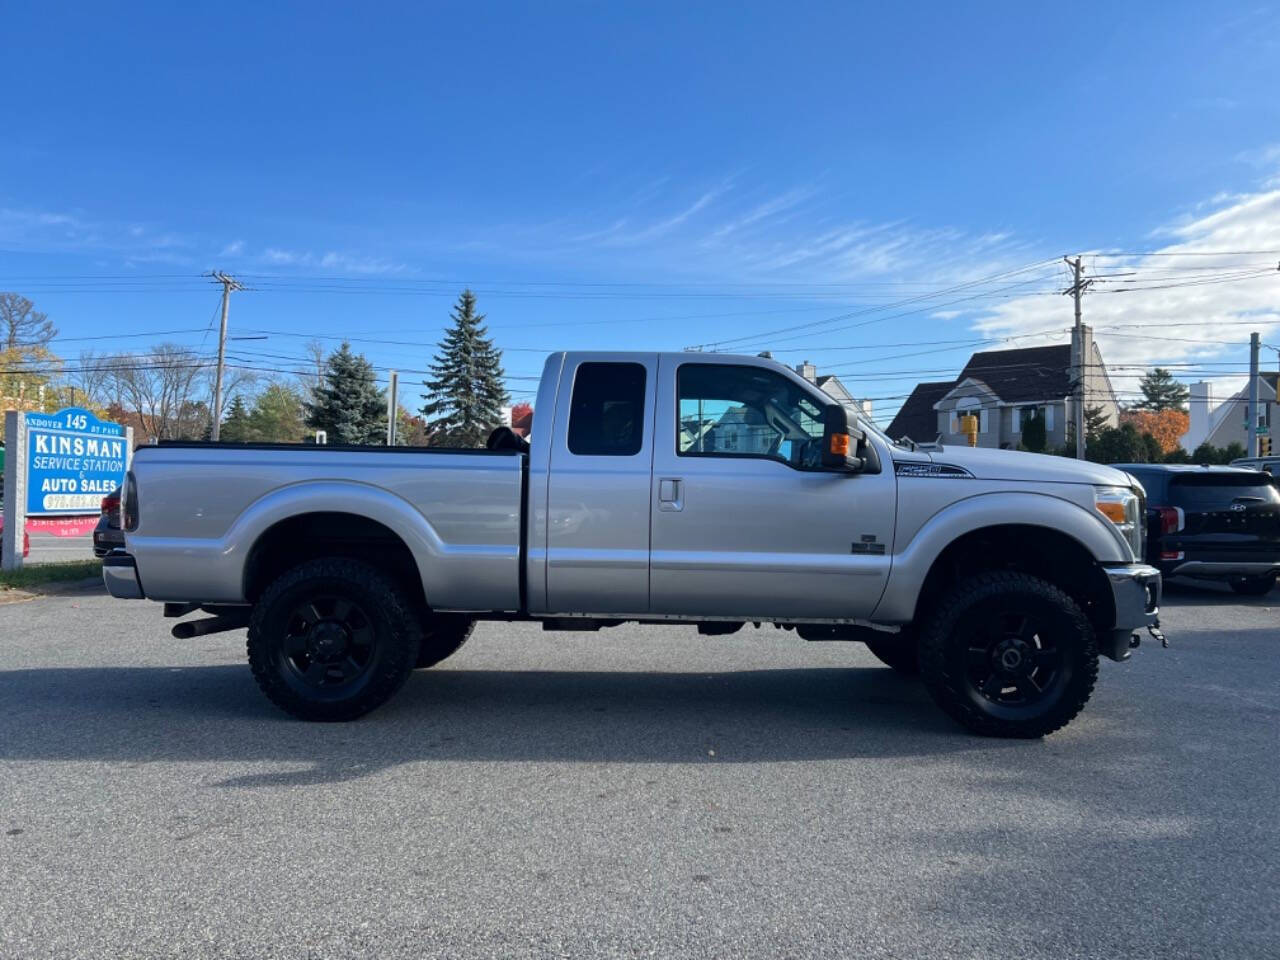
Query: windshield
x,y
869,425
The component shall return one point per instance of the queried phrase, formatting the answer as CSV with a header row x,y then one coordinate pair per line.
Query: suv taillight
x,y
1171,519
130,503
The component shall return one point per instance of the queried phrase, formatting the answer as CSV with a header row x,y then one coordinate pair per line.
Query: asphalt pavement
x,y
636,792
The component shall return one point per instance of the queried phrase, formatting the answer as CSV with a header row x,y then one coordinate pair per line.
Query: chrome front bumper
x,y
120,574
1135,591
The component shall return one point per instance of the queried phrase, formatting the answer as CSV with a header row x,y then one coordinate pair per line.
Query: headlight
x,y
1123,507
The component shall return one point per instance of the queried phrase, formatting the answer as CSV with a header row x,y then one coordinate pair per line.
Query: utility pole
x,y
1251,441
229,283
1077,347
393,387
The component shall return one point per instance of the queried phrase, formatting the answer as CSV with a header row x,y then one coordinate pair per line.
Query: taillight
x,y
110,504
130,501
1171,519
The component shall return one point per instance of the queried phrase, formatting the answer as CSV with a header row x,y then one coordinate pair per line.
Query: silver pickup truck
x,y
708,489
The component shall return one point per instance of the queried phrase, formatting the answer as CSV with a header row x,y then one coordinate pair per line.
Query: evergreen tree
x,y
348,406
1233,451
1033,433
1206,453
1095,421
236,425
1122,444
465,394
278,415
1160,391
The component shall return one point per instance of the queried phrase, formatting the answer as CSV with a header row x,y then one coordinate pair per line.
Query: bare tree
x,y
27,365
164,388
90,377
312,373
22,325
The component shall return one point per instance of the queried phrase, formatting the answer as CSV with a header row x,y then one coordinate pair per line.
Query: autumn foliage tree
x,y
1167,425
522,418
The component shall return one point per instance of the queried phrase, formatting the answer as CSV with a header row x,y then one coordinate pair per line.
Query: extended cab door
x,y
745,523
598,485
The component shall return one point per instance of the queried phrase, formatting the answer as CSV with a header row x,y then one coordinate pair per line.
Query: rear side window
x,y
1209,491
606,417
1152,482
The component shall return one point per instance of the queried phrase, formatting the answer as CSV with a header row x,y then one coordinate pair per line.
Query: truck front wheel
x,y
1009,655
332,639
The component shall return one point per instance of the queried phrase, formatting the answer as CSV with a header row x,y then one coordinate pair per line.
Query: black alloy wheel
x,y
329,643
1013,659
1008,654
332,639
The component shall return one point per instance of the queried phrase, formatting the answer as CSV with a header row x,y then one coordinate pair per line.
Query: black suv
x,y
1212,523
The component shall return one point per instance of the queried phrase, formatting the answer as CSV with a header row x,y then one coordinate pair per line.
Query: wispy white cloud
x,y
730,232
232,249
58,231
331,260
769,210
1193,300
623,235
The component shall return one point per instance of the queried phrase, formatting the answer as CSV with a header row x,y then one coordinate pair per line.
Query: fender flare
x,y
911,563
333,496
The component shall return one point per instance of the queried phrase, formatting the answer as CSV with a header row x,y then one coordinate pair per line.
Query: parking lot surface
x,y
636,792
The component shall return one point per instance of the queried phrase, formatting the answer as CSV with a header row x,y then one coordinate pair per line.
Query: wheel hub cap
x,y
1012,656
327,641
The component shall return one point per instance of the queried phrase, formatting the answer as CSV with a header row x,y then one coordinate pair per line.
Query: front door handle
x,y
671,493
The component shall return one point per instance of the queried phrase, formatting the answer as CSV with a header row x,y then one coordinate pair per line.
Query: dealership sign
x,y
73,461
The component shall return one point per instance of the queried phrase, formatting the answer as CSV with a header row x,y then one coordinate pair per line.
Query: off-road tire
x,y
953,653
443,635
1253,586
899,651
385,617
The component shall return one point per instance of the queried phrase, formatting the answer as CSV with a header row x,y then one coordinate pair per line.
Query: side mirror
x,y
842,445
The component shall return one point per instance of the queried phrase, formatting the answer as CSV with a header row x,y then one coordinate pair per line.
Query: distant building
x,y
1222,422
1004,389
833,388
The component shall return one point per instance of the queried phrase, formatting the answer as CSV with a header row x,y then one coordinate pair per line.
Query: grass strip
x,y
35,574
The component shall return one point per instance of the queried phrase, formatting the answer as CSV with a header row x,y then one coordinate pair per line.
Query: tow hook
x,y
1157,634
1135,641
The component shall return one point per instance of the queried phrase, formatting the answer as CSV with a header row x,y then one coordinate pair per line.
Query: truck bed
x,y
203,507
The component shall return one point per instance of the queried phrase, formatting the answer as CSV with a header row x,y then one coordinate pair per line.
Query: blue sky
x,y
640,175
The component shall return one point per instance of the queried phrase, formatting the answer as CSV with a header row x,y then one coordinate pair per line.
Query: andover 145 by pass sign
x,y
73,461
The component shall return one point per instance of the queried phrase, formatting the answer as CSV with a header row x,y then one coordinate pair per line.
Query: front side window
x,y
734,411
606,418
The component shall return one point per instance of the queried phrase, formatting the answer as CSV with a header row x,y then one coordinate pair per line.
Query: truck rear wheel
x,y
1009,655
443,635
332,639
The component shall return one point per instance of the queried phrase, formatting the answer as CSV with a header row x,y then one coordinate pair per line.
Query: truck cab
x,y
695,486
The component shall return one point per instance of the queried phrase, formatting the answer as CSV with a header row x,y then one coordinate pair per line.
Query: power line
x,y
962,286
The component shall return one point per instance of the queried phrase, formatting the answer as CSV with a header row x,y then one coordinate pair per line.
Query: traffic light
x,y
1264,446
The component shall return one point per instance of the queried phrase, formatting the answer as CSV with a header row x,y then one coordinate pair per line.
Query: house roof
x,y
1027,373
916,418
